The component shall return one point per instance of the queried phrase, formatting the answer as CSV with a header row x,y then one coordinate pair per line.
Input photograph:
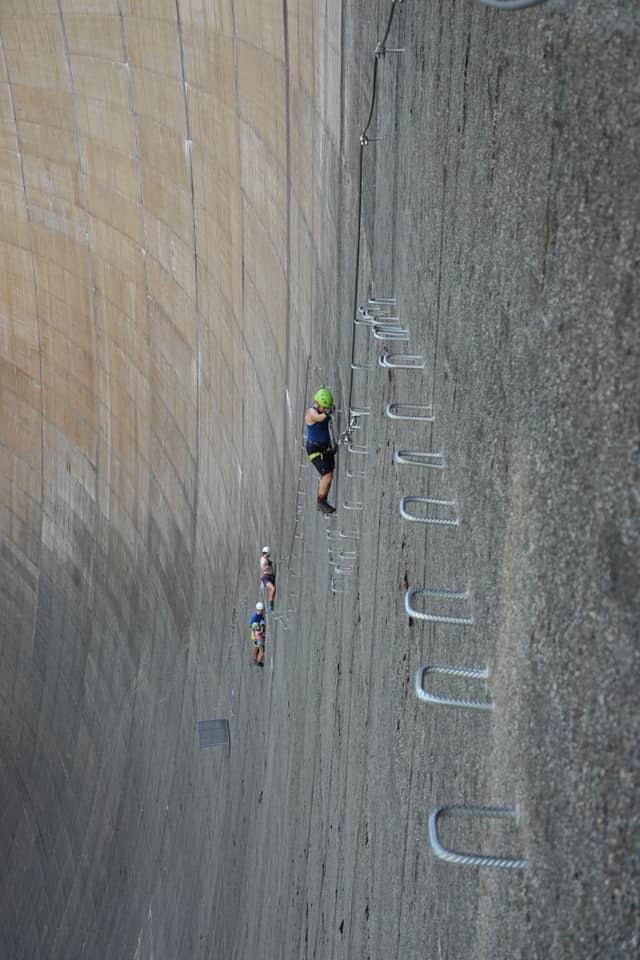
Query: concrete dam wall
x,y
188,221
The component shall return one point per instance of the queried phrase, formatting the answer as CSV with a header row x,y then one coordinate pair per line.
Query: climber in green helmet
x,y
320,448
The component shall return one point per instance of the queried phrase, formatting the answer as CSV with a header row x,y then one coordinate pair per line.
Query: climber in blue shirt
x,y
320,448
258,628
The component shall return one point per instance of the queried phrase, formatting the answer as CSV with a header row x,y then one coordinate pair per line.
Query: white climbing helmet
x,y
266,550
259,606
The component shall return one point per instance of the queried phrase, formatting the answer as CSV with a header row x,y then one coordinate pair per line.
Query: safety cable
x,y
300,464
364,140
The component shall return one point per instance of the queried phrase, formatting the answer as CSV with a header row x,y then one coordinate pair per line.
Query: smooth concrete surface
x,y
178,196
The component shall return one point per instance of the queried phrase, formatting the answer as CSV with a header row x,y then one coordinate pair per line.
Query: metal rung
x,y
359,411
381,50
355,474
391,333
402,361
333,559
345,556
365,321
523,4
344,570
381,301
475,673
438,521
349,535
420,458
359,449
427,408
373,317
471,859
376,315
335,588
352,505
441,592
365,140
362,366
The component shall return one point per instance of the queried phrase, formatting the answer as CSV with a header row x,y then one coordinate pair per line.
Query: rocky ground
x,y
501,210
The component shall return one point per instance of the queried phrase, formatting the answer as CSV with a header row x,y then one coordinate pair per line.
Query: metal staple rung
x,y
348,555
352,505
358,449
355,474
442,593
426,416
437,521
472,859
475,673
359,411
387,322
345,555
365,321
381,50
390,333
420,458
523,4
362,366
335,588
380,301
402,361
378,315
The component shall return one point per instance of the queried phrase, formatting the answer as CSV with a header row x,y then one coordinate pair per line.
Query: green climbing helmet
x,y
324,397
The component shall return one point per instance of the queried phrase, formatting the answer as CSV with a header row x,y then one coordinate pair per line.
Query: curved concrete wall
x,y
168,203
178,185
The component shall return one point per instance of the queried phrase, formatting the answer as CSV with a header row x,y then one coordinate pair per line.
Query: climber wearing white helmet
x,y
268,577
258,633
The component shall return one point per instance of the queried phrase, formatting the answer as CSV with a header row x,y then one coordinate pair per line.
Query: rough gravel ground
x,y
502,211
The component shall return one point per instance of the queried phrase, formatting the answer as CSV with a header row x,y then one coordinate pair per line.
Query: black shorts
x,y
323,460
